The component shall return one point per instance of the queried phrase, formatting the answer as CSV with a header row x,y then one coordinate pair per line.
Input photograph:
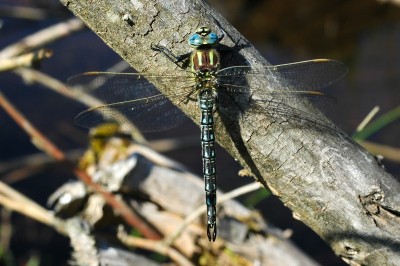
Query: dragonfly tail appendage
x,y
212,232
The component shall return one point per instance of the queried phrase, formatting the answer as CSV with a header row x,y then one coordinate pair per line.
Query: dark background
x,y
363,34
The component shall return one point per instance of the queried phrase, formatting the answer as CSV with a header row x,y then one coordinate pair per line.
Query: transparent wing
x,y
120,87
302,76
276,107
155,113
128,98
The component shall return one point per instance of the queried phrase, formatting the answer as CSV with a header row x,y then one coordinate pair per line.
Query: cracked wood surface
x,y
327,180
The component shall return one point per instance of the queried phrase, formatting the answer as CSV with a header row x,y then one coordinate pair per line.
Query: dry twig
x,y
153,245
42,38
44,144
15,201
23,12
25,60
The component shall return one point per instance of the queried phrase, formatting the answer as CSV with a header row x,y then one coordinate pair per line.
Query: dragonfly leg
x,y
190,96
216,106
181,60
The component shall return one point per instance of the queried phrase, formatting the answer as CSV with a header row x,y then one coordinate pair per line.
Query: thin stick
x,y
15,201
388,152
23,12
42,37
36,160
57,86
153,245
44,144
25,60
202,209
61,88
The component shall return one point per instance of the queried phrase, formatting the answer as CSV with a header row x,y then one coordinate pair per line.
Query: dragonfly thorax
x,y
206,80
205,60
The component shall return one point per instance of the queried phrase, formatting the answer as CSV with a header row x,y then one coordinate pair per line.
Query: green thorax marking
x,y
204,60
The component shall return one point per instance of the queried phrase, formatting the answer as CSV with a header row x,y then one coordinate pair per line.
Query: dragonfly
x,y
131,97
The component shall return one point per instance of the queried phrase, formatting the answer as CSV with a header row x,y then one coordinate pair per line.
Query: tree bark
x,y
329,182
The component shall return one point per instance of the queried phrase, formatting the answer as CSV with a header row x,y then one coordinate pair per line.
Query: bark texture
x,y
329,182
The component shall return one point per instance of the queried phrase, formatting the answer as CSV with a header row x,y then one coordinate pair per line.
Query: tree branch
x,y
327,180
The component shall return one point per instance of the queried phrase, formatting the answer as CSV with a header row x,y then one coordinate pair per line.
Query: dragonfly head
x,y
203,37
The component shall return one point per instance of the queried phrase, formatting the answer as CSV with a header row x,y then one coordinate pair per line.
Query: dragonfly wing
x,y
299,76
129,98
281,111
312,74
155,113
119,87
276,108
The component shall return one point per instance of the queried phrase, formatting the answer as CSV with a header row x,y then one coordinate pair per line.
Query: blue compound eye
x,y
195,40
212,38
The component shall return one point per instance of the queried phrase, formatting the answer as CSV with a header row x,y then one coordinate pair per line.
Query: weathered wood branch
x,y
148,181
327,180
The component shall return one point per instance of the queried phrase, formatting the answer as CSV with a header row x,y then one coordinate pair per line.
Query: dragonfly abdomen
x,y
206,103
